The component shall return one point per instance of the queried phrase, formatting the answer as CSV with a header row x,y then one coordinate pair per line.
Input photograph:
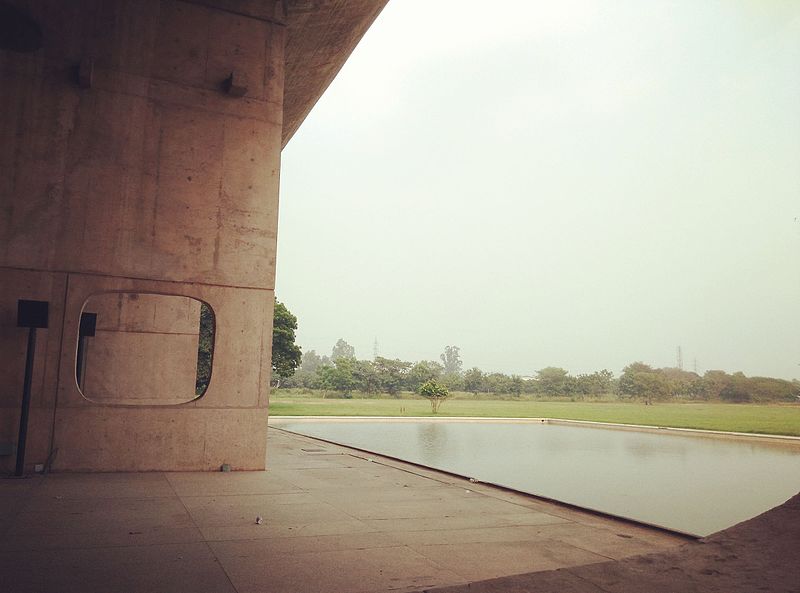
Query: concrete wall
x,y
144,349
153,180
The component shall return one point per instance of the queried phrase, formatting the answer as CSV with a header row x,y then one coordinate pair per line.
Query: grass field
x,y
768,419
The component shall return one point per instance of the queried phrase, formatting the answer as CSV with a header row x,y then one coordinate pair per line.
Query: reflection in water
x,y
646,448
690,483
433,443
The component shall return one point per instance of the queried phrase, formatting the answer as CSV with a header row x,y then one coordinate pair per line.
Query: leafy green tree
x,y
698,390
453,381
654,386
391,374
627,385
311,361
435,393
736,390
342,350
366,376
421,372
474,381
714,382
496,383
597,383
769,389
681,381
515,385
641,381
306,374
286,354
451,360
340,377
552,381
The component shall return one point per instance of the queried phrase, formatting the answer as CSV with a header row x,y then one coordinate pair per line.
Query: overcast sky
x,y
577,183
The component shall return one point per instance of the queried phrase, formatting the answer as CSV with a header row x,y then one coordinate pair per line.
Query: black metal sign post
x,y
30,314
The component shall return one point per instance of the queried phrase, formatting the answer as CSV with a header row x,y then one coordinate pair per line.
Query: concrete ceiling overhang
x,y
321,36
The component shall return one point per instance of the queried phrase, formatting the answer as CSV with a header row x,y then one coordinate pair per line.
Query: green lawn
x,y
769,419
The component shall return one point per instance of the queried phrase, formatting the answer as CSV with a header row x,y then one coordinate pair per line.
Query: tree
x,y
435,393
714,382
736,390
366,376
597,383
698,389
653,386
473,380
515,385
682,383
552,381
306,374
339,377
312,361
496,383
641,381
421,372
769,389
342,350
285,353
391,374
453,381
451,360
627,384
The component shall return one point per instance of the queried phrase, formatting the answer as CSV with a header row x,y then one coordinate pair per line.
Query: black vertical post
x,y
26,402
30,314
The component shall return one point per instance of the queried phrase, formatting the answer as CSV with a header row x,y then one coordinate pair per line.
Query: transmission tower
x,y
680,358
375,349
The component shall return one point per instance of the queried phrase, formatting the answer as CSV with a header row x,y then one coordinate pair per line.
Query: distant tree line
x,y
343,374
639,380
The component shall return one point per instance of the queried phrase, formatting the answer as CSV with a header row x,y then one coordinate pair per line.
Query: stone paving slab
x,y
334,520
759,555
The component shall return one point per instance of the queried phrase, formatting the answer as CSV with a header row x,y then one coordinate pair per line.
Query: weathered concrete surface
x,y
334,521
762,554
144,349
226,425
148,177
321,36
153,180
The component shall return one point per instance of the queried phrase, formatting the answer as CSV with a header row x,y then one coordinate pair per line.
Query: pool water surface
x,y
683,481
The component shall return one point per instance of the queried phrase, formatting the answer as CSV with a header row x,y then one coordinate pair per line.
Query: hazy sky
x,y
576,183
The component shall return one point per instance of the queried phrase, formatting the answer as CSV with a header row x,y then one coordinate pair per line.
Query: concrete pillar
x,y
129,165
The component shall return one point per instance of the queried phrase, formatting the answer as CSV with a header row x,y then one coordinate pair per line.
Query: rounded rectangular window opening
x,y
144,349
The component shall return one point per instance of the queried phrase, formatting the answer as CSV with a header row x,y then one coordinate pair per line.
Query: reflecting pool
x,y
688,482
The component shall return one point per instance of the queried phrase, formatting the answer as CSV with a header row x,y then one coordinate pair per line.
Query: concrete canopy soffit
x,y
321,36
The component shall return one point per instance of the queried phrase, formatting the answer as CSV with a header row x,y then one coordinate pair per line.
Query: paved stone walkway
x,y
762,554
334,521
